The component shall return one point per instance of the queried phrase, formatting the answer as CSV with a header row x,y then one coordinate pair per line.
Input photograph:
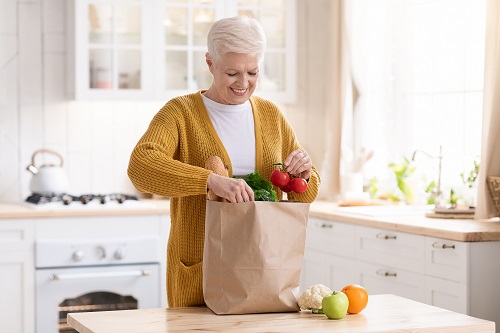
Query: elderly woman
x,y
247,132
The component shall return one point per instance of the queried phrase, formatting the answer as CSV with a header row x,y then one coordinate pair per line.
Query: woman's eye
x,y
232,74
252,73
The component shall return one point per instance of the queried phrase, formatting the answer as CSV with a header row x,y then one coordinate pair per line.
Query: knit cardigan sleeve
x,y
157,164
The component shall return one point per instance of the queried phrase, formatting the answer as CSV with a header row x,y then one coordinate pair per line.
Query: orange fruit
x,y
358,298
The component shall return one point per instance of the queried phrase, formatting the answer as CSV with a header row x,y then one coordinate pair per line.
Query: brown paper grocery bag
x,y
253,256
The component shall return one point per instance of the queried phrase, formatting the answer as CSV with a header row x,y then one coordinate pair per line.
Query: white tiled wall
x,y
95,139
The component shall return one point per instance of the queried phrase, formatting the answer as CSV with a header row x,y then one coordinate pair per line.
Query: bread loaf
x,y
215,164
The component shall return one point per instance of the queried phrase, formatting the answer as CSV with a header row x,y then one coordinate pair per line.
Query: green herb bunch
x,y
262,188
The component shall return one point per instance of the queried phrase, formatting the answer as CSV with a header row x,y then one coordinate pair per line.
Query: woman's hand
x,y
232,189
299,163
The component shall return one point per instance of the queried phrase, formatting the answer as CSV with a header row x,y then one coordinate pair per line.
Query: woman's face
x,y
235,78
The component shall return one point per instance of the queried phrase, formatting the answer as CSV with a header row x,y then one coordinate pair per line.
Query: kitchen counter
x,y
409,219
93,208
399,218
384,313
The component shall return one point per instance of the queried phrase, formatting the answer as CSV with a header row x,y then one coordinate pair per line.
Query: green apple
x,y
335,305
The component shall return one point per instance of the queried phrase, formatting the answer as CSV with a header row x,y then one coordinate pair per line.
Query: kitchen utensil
x,y
47,178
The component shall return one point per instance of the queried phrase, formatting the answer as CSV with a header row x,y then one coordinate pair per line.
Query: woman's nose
x,y
243,79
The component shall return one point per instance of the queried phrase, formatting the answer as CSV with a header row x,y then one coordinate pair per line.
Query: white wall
x,y
96,138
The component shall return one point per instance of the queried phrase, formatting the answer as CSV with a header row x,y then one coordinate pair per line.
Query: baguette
x,y
215,164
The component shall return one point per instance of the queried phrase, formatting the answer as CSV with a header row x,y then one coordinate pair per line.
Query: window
x,y
418,69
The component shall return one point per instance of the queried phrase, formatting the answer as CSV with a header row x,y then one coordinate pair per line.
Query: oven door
x,y
59,290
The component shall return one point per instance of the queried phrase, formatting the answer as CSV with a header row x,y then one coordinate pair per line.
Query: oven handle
x,y
56,277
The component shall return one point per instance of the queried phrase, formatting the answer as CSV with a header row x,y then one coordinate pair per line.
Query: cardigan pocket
x,y
191,265
189,290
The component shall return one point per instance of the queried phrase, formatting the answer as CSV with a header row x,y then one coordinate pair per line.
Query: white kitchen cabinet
x,y
396,249
155,49
18,273
329,270
383,279
458,276
327,259
446,294
446,259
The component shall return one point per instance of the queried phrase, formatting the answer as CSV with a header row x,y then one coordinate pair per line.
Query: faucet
x,y
437,193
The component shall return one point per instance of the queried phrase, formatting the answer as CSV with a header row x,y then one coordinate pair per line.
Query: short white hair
x,y
238,34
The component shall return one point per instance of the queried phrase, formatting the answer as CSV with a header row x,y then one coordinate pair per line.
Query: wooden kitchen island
x,y
384,313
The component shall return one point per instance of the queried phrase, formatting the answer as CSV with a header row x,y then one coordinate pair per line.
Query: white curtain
x,y
490,148
339,101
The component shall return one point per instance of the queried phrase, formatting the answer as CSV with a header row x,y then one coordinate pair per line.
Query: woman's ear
x,y
209,61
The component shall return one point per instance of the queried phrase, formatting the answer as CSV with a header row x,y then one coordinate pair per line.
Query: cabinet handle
x,y
442,246
386,273
324,225
385,236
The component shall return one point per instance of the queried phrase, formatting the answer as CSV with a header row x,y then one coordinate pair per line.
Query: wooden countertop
x,y
57,209
412,221
405,219
384,313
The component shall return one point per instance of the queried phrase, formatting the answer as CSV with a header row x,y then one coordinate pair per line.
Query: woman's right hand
x,y
232,189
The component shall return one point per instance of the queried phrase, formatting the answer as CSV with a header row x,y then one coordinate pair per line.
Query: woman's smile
x,y
235,77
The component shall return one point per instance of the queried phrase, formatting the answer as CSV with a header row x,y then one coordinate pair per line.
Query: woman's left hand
x,y
299,163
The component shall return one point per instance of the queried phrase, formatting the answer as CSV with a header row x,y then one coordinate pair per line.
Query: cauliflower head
x,y
311,298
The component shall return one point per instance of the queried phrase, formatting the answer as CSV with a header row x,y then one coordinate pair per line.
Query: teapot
x,y
47,178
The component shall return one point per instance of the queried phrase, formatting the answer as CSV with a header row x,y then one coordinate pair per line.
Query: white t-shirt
x,y
235,126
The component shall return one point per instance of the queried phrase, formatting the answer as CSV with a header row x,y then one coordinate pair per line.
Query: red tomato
x,y
286,188
279,178
298,185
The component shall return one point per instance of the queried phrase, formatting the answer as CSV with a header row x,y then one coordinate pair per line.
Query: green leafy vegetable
x,y
262,188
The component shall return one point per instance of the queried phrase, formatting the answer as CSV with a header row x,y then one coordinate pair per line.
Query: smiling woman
x,y
418,70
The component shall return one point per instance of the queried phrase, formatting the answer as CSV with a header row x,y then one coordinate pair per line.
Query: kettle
x,y
47,178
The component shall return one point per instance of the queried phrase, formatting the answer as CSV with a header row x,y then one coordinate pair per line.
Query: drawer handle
x,y
442,246
324,225
385,236
386,273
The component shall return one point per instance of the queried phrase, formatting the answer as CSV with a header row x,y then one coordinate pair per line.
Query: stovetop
x,y
84,199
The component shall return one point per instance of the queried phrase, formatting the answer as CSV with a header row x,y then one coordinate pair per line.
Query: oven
x,y
83,275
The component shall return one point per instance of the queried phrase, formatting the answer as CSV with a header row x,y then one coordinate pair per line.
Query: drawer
x,y
391,248
330,237
16,235
446,259
334,272
446,294
382,279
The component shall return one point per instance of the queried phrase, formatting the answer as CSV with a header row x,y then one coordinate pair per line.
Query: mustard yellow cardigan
x,y
169,160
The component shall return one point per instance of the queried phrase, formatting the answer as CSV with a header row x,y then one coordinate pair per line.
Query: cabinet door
x,y
391,248
182,45
446,259
332,271
112,46
17,271
445,294
155,49
314,270
330,237
278,72
381,279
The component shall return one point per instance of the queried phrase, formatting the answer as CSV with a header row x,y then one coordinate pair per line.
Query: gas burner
x,y
66,199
